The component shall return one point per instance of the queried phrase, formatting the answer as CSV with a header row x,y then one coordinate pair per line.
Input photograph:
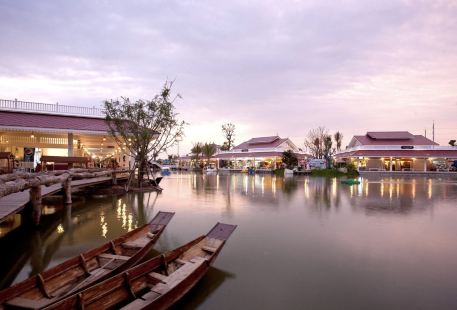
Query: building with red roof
x,y
29,130
260,153
397,151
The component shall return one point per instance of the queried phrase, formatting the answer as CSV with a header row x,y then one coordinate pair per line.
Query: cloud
x,y
268,66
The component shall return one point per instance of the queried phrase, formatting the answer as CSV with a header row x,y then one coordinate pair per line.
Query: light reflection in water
x,y
328,229
60,229
429,191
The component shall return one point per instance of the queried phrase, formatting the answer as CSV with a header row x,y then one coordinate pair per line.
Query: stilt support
x,y
67,191
35,200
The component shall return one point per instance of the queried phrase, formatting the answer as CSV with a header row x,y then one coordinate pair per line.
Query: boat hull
x,y
83,271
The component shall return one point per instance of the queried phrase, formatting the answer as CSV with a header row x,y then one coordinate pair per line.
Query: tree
x,y
144,127
338,136
452,142
229,134
208,150
315,141
320,144
328,150
196,151
289,159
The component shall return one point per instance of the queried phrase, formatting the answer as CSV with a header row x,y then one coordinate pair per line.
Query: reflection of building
x,y
396,195
260,153
397,151
30,130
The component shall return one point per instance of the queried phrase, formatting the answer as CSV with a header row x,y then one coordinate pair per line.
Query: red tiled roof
x,y
392,140
261,142
390,135
401,153
18,119
252,155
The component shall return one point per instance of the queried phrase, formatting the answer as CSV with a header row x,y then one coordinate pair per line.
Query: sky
x,y
270,67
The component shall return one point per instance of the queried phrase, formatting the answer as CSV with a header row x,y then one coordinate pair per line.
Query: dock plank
x,y
15,202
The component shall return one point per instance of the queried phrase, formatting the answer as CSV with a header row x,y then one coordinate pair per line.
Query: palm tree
x,y
196,151
208,150
338,136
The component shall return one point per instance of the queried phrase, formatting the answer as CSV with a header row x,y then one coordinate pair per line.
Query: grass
x,y
333,173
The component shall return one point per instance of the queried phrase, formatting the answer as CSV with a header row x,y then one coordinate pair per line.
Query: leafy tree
x,y
197,150
144,127
338,136
452,142
208,150
229,134
328,150
289,159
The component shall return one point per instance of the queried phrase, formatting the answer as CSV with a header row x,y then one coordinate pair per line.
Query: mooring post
x,y
35,200
114,178
67,191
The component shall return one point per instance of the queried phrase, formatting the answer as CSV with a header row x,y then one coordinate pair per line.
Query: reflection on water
x,y
302,242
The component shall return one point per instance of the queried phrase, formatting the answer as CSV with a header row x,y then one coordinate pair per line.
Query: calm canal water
x,y
301,242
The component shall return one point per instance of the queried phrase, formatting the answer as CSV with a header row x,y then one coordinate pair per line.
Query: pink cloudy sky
x,y
270,67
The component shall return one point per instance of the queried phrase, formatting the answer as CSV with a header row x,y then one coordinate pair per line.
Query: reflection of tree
x,y
290,186
228,194
323,193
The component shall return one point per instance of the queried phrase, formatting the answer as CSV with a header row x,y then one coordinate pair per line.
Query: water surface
x,y
301,242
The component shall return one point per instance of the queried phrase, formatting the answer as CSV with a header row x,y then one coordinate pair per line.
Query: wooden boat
x,y
157,283
350,181
84,270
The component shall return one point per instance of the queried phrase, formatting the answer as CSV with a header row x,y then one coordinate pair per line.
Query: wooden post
x,y
35,200
67,191
70,144
113,177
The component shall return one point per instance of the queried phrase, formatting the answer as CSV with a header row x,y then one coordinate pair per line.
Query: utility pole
x,y
433,131
425,131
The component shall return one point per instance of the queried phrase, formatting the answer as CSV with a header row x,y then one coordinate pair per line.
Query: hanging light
x,y
32,135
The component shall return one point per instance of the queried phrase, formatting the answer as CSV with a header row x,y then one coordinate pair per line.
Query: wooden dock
x,y
15,203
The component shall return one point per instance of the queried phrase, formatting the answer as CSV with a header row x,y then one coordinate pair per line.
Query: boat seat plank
x,y
150,235
26,303
112,256
178,276
138,243
158,276
149,296
181,261
94,275
209,249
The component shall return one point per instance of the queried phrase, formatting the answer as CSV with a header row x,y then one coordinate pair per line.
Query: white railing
x,y
47,108
37,141
397,148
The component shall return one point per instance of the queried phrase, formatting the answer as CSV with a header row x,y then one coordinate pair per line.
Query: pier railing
x,y
47,108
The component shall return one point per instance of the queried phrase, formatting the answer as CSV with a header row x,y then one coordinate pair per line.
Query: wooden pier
x,y
16,201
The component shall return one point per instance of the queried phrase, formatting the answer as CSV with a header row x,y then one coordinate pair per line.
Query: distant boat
x,y
210,169
350,181
288,171
80,272
157,283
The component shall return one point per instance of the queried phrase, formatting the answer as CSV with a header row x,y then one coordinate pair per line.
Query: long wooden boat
x,y
157,283
88,268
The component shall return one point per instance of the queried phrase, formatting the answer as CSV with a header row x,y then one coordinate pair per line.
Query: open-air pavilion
x,y
398,151
32,131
